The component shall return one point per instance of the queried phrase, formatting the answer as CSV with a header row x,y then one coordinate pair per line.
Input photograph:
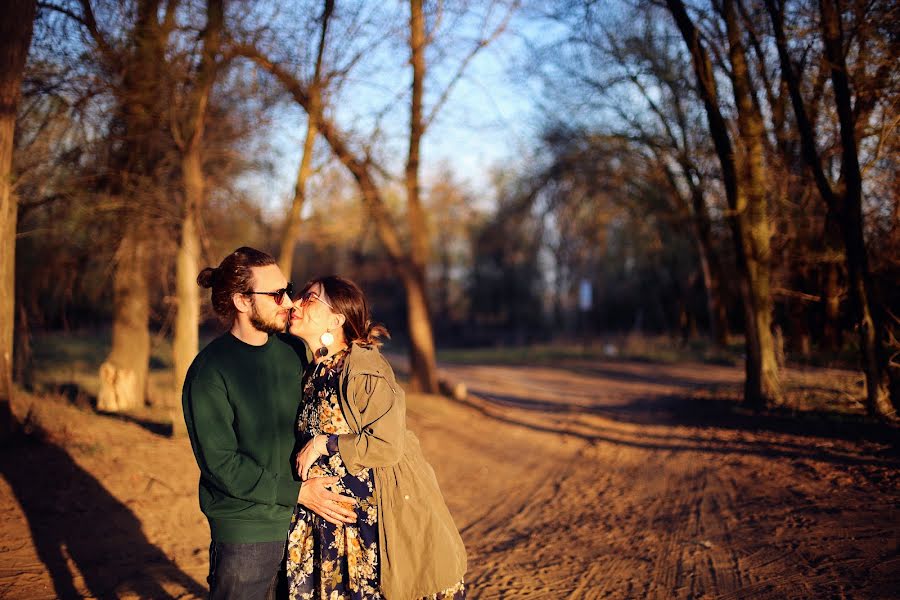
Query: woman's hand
x,y
306,458
334,508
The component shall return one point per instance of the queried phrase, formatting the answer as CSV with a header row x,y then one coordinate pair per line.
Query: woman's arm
x,y
382,423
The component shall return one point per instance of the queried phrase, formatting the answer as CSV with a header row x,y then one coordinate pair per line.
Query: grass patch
x,y
633,348
68,364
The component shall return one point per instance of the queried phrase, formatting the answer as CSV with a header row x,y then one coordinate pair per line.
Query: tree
x,y
743,175
143,97
291,230
15,37
844,199
628,72
409,260
189,139
135,93
676,154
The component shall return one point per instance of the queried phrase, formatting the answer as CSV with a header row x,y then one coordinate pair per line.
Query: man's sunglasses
x,y
278,295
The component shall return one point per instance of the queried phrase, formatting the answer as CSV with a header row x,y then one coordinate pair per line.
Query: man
x,y
240,400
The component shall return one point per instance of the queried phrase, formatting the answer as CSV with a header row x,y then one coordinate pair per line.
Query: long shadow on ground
x,y
78,396
74,519
705,413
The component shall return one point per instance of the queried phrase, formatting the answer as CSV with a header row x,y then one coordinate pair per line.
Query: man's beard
x,y
266,326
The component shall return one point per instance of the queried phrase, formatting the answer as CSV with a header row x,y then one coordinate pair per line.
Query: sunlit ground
x,y
571,474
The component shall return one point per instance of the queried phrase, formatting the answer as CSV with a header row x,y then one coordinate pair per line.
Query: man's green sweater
x,y
240,403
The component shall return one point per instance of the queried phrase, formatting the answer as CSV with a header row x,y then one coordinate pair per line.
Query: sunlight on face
x,y
310,319
266,314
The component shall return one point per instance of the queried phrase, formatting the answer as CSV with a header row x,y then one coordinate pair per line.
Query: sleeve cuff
x,y
346,443
331,446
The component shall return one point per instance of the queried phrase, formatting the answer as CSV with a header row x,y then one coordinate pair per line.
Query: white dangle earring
x,y
326,339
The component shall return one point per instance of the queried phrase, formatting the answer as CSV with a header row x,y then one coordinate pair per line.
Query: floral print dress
x,y
327,561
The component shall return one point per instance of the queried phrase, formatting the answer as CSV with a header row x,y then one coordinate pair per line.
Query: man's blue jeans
x,y
238,571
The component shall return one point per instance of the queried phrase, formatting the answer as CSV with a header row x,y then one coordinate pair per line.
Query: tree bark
x,y
291,230
423,367
753,213
187,319
421,336
761,387
875,359
186,339
710,266
15,37
142,101
832,287
123,376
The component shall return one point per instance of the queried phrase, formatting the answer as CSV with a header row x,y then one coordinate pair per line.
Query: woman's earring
x,y
326,339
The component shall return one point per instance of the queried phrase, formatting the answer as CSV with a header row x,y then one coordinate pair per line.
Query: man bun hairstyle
x,y
234,275
348,299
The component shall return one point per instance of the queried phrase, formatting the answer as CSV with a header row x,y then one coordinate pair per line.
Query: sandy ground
x,y
587,480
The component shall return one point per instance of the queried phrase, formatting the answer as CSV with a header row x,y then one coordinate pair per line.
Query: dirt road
x,y
586,480
631,491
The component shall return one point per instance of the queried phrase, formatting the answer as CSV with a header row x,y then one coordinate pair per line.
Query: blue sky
x,y
489,120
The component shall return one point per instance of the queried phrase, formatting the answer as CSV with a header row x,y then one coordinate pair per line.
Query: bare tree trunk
x,y
421,335
292,224
875,362
140,97
696,209
23,359
123,376
711,269
15,37
423,368
753,213
186,342
187,319
832,290
761,387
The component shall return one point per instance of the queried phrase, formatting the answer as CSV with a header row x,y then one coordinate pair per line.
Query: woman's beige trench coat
x,y
420,549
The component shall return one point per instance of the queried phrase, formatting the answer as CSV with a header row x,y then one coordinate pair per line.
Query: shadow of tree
x,y
710,414
74,519
727,413
159,428
78,396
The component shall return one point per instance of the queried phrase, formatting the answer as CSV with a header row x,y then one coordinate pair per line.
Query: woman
x,y
403,543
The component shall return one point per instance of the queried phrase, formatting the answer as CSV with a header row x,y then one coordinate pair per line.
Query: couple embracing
x,y
306,466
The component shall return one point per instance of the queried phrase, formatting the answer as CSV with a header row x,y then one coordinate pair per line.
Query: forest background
x,y
720,175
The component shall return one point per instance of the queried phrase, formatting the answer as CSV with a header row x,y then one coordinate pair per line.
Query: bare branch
x,y
482,43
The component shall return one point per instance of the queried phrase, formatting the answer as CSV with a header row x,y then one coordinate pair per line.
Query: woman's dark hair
x,y
234,275
348,299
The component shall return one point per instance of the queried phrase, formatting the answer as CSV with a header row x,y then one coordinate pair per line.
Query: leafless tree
x,y
15,37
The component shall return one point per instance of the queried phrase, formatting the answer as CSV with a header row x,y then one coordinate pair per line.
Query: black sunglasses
x,y
278,295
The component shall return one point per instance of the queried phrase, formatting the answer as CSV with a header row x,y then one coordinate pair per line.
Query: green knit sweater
x,y
240,403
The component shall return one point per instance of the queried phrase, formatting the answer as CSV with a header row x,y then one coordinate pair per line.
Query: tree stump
x,y
119,389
